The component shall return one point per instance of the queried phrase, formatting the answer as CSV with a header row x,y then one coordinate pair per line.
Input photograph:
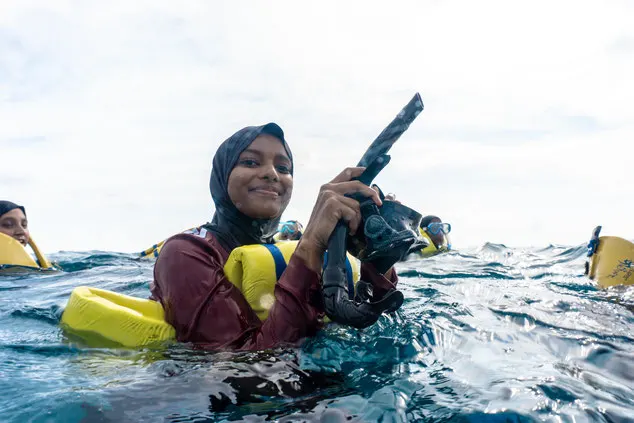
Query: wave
x,y
491,333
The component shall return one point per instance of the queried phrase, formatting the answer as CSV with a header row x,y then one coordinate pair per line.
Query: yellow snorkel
x,y
154,251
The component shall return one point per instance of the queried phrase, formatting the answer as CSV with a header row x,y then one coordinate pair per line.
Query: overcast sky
x,y
110,112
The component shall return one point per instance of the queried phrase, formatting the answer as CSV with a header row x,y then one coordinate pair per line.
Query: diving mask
x,y
435,228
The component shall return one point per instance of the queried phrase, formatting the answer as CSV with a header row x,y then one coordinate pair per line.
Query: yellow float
x,y
97,314
94,313
610,260
14,257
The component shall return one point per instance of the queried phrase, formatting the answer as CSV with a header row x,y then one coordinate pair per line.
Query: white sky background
x,y
110,112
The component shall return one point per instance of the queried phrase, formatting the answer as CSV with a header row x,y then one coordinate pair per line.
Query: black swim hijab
x,y
232,227
7,206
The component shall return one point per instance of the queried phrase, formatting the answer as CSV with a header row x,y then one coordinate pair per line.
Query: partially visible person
x,y
437,233
291,230
13,222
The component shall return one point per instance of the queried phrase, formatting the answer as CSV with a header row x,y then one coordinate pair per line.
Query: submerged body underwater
x,y
487,334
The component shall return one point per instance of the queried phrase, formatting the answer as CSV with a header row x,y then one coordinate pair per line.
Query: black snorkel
x,y
390,233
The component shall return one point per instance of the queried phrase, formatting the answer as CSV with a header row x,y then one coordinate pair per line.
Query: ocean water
x,y
487,334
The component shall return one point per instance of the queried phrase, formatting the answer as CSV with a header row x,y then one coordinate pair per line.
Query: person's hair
x,y
425,221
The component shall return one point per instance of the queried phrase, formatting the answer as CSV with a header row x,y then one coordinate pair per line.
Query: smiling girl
x,y
251,185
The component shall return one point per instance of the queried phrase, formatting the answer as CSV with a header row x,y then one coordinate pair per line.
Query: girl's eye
x,y
8,224
283,169
248,162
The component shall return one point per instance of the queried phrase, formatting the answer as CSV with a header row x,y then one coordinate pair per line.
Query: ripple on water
x,y
488,334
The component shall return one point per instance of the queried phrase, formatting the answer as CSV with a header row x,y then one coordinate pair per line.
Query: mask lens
x,y
286,228
435,228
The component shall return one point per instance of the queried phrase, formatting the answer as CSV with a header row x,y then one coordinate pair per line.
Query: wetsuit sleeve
x,y
188,281
380,284
206,308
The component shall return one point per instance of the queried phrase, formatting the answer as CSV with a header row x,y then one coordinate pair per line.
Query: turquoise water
x,y
488,334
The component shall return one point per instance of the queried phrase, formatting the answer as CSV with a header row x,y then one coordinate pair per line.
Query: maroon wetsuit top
x,y
207,309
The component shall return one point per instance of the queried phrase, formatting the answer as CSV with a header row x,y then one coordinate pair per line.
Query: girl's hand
x,y
331,206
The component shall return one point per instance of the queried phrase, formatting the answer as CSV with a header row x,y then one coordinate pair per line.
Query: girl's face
x,y
260,185
14,224
438,238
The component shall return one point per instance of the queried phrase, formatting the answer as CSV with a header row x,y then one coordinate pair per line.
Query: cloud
x,y
623,44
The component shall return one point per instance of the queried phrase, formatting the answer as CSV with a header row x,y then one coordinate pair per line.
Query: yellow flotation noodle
x,y
254,270
122,319
155,250
14,255
612,263
94,313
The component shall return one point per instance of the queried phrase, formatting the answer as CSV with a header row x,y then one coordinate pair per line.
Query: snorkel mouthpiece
x,y
337,303
386,239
